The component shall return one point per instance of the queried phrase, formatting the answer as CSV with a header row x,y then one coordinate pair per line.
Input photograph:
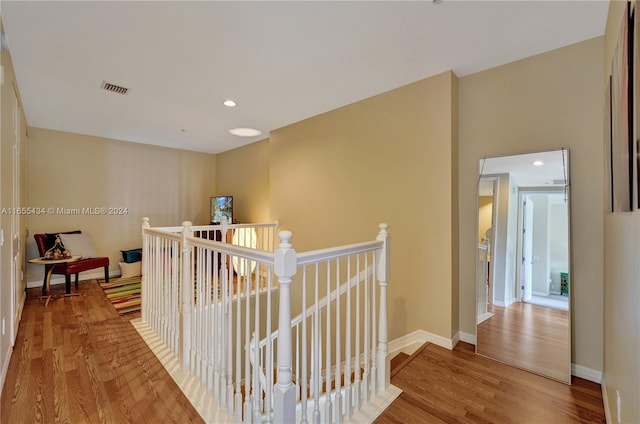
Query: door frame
x,y
524,191
492,245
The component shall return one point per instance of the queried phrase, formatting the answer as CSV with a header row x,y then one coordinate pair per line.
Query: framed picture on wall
x,y
635,66
621,145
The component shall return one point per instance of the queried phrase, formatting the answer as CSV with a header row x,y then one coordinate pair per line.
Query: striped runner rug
x,y
124,293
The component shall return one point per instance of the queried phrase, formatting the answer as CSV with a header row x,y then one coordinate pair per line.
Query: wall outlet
x,y
618,405
3,325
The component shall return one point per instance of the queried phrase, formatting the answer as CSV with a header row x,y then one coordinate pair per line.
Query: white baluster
x,y
365,377
187,295
144,289
248,395
382,275
268,410
284,390
338,397
374,326
175,295
227,260
198,313
316,359
257,369
328,405
303,378
356,369
348,401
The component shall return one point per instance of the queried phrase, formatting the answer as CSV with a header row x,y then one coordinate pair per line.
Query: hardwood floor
x,y
78,361
458,386
530,337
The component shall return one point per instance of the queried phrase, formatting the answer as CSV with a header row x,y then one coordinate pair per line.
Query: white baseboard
x,y
605,399
467,337
83,276
409,343
586,373
5,366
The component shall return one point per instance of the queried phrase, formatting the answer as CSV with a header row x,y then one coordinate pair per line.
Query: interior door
x,y
527,248
16,245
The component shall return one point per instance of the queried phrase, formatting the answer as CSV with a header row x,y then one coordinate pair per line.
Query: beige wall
x,y
244,174
74,171
544,102
388,158
621,290
485,215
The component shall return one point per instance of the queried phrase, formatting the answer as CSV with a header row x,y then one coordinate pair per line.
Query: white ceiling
x,y
553,173
281,61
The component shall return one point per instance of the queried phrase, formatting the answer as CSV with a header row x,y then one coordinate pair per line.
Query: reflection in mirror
x,y
523,270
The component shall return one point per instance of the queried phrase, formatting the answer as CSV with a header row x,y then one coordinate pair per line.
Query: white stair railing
x,y
210,302
323,346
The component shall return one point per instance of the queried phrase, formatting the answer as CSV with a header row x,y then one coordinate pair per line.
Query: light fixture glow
x,y
245,132
229,103
538,163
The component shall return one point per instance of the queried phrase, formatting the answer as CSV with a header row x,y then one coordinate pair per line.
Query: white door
x,y
16,247
527,248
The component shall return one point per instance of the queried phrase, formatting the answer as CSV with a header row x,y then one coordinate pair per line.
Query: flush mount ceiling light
x,y
537,163
229,103
245,132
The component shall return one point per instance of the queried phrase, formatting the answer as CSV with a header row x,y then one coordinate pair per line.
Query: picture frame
x,y
221,207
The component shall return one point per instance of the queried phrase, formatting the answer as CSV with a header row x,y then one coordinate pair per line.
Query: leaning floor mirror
x,y
523,278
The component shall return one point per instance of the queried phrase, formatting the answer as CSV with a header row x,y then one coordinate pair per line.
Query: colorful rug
x,y
124,293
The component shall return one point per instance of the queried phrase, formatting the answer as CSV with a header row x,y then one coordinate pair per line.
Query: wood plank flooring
x,y
78,361
458,386
530,337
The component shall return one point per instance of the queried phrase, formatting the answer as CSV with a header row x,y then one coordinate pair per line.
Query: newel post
x,y
144,290
186,294
382,275
284,396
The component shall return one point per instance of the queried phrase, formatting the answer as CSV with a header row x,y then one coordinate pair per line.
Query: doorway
x,y
486,224
543,245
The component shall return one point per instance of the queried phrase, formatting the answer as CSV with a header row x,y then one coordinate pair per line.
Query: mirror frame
x,y
562,188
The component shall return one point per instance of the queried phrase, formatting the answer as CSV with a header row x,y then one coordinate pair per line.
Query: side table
x,y
43,261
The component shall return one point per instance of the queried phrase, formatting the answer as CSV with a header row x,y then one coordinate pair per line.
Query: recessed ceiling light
x,y
229,103
245,132
538,163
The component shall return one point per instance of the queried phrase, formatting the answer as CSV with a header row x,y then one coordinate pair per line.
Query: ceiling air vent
x,y
113,88
558,182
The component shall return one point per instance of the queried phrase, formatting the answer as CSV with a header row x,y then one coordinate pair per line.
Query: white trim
x,y
19,316
483,317
83,276
196,393
409,343
5,367
467,337
605,400
499,303
586,373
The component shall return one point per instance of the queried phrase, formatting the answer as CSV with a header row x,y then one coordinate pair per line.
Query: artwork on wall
x,y
221,207
623,117
620,177
635,40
